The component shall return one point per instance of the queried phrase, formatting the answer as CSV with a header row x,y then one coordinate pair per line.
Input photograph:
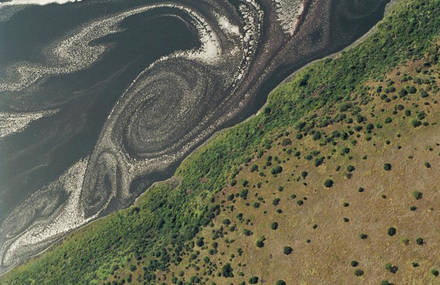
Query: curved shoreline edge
x,y
216,134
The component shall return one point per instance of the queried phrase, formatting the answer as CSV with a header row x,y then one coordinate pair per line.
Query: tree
x,y
358,272
417,195
287,250
276,170
391,231
391,268
260,242
253,280
387,166
286,142
416,123
328,183
200,242
227,271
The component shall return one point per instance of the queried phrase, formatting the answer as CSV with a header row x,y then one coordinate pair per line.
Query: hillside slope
x,y
333,182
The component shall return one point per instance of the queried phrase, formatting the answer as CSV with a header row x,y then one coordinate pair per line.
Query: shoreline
x,y
388,9
289,78
335,55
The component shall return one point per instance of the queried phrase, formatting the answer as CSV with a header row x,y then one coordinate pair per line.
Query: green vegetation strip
x,y
170,213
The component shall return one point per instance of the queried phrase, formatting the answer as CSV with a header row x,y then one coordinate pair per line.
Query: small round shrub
x,y
247,232
280,282
227,271
387,166
416,123
260,242
435,272
286,142
391,268
420,241
391,231
417,195
276,170
358,272
274,226
200,242
328,183
317,136
412,90
364,236
253,280
287,250
354,263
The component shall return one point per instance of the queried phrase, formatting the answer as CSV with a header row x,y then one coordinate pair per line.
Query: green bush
x,y
247,232
358,272
412,90
416,123
328,183
387,166
417,195
200,242
287,250
391,231
253,280
319,161
391,268
286,142
244,194
227,271
276,170
170,217
260,242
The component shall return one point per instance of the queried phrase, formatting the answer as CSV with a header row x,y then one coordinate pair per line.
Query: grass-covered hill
x,y
334,182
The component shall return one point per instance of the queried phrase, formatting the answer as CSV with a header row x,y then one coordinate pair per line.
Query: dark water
x,y
86,99
49,146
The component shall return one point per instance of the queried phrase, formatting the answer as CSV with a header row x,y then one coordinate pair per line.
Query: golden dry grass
x,y
334,243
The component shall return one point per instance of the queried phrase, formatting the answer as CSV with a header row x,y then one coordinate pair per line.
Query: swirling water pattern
x,y
156,116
